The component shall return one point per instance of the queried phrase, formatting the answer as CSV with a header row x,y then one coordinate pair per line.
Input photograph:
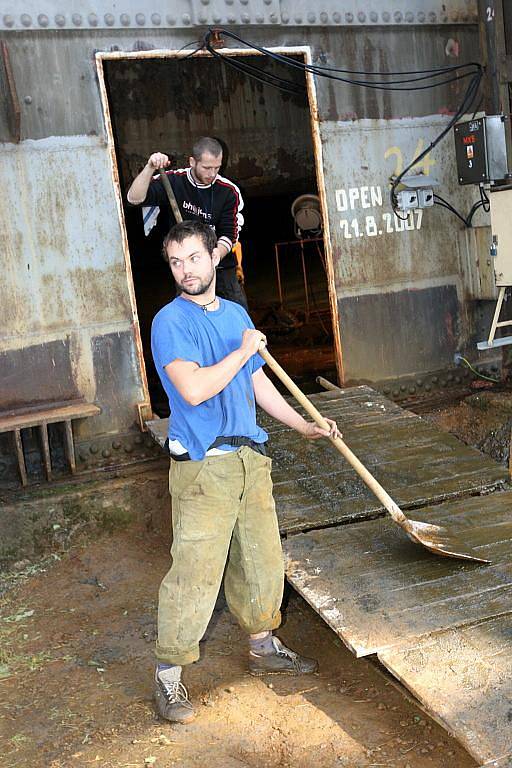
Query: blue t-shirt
x,y
182,330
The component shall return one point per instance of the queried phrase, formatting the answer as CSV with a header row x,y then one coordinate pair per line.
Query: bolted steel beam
x,y
40,15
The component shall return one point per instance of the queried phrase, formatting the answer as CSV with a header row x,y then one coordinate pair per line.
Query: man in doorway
x,y
206,353
202,194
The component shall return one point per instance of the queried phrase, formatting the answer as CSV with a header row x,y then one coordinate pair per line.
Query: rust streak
x,y
146,405
13,94
317,147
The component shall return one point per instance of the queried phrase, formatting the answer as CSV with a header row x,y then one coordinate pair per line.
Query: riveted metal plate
x,y
239,12
99,14
378,12
107,14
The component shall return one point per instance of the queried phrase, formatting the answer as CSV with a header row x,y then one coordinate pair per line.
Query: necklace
x,y
208,304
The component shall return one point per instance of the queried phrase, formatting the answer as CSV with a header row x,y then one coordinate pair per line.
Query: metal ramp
x,y
377,589
443,628
462,678
380,593
415,462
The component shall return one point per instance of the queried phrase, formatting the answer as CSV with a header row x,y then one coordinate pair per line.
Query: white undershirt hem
x,y
178,449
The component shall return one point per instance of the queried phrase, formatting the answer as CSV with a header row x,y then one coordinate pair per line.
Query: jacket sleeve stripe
x,y
238,205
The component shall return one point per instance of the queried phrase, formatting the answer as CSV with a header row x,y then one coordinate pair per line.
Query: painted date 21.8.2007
x,y
387,224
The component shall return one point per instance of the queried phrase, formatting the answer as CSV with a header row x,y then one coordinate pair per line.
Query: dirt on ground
x,y
77,635
76,671
483,420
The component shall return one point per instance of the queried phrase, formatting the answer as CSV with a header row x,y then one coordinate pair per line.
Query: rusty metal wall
x,y
399,284
64,294
59,207
55,74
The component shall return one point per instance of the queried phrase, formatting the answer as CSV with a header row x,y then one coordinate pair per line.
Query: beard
x,y
202,178
199,288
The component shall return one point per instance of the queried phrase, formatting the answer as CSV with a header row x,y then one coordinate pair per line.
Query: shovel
x,y
434,537
170,196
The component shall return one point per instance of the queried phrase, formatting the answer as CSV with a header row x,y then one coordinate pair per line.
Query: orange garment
x,y
237,250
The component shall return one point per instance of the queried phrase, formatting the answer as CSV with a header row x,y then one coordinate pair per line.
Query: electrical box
x,y
425,198
407,199
415,192
481,150
501,226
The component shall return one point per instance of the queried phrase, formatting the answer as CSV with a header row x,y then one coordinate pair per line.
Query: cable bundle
x,y
407,82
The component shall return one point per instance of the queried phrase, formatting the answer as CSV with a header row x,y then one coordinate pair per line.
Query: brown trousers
x,y
222,512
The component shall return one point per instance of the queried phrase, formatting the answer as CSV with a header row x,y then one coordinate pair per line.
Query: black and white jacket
x,y
218,204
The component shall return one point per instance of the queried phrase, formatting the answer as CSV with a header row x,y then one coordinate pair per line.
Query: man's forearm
x,y
139,188
273,403
203,383
208,382
222,248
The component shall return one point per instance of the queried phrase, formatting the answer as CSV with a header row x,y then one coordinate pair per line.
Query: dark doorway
x,y
165,104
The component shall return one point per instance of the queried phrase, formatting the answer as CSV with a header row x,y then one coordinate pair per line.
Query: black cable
x,y
444,204
187,45
245,70
471,92
266,78
438,200
477,108
466,104
323,71
472,212
384,86
288,60
486,203
372,86
261,76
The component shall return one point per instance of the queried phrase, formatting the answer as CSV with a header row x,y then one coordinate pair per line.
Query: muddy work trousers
x,y
222,512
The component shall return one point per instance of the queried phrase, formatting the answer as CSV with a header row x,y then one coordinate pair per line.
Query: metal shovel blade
x,y
433,537
438,539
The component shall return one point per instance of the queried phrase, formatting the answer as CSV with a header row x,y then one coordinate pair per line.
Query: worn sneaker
x,y
283,660
171,697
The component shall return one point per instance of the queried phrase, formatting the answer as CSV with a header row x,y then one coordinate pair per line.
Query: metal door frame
x,y
305,51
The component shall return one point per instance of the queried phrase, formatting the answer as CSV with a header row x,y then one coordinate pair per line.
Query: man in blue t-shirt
x,y
223,515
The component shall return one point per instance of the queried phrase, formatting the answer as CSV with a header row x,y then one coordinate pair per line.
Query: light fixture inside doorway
x,y
307,216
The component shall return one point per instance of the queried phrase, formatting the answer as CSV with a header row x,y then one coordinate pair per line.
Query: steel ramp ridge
x,y
377,589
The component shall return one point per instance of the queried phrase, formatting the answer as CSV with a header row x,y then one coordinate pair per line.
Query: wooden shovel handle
x,y
376,488
170,195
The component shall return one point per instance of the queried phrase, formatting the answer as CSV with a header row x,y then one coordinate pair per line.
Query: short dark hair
x,y
185,229
206,144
